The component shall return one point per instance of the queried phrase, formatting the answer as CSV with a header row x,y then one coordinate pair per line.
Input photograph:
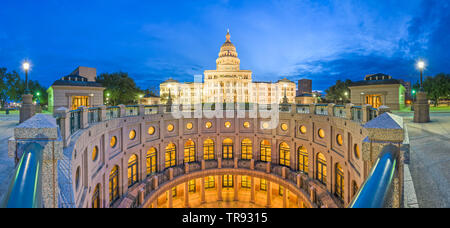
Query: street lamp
x,y
26,67
421,66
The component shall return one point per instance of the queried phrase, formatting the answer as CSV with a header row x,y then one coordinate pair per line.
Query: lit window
x,y
339,140
228,124
227,181
132,134
263,185
95,153
246,149
357,152
151,161
210,182
321,168
266,151
285,154
96,197
321,133
208,150
303,129
77,178
284,127
113,142
189,126
170,157
174,191
246,124
245,182
303,159
208,125
227,148
280,190
151,130
170,127
191,186
189,151
114,184
339,187
132,170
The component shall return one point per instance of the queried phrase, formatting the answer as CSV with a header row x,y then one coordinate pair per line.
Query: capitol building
x,y
228,84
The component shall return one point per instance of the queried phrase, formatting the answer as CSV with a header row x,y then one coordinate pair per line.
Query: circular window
x,y
246,124
339,140
189,126
208,125
95,153
113,142
228,124
151,130
265,125
303,129
170,127
357,151
284,127
321,133
132,134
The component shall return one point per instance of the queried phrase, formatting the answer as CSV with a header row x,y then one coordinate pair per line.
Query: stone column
x,y
202,190
269,195
102,114
421,109
348,111
236,188
312,109
365,113
84,117
63,117
252,193
28,109
122,111
141,110
186,195
170,199
331,109
285,197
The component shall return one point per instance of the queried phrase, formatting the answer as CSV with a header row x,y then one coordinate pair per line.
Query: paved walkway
x,y
430,159
6,164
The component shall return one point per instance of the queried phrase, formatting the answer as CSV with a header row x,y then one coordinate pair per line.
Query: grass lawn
x,y
16,112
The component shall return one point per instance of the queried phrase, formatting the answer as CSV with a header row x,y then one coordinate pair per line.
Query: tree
x,y
338,92
3,88
437,87
121,88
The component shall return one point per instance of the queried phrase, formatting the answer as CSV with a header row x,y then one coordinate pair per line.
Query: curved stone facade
x,y
335,170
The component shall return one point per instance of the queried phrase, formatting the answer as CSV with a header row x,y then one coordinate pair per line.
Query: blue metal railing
x,y
25,190
374,193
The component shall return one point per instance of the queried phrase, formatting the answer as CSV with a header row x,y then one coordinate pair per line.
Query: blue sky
x,y
156,40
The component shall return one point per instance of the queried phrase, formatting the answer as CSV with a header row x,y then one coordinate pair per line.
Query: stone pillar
x,y
285,198
141,110
421,109
122,111
331,109
28,109
252,193
236,188
102,114
170,199
40,135
63,118
186,195
348,111
269,195
312,109
365,113
84,117
219,189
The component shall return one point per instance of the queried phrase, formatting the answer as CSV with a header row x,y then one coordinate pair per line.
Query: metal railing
x,y
93,115
112,112
339,111
75,121
132,110
378,187
357,113
25,190
303,109
321,110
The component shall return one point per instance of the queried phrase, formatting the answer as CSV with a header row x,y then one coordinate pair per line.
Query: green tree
x,y
338,92
437,87
3,88
121,88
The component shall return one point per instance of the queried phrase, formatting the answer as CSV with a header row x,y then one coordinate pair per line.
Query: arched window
x,y
355,188
303,160
321,168
151,161
227,181
246,149
189,151
171,157
339,187
114,184
132,170
208,150
227,148
285,154
96,197
266,151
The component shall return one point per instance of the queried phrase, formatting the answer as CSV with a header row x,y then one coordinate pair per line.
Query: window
x,y
228,124
321,168
78,101
355,188
151,130
96,197
113,142
151,161
303,159
210,182
357,152
227,181
77,178
263,185
189,126
339,140
266,151
246,124
285,155
227,148
114,184
132,170
174,192
246,182
208,125
321,133
246,149
208,150
339,185
170,155
132,135
284,127
95,153
280,190
189,152
191,186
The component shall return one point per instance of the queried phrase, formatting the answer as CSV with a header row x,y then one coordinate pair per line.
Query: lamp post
x,y
421,106
421,66
26,67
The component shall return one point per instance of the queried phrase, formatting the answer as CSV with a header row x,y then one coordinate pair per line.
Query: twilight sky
x,y
155,40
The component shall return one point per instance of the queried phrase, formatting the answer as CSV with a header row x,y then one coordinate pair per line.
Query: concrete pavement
x,y
6,164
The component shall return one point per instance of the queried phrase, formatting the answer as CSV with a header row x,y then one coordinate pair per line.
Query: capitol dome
x,y
228,56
